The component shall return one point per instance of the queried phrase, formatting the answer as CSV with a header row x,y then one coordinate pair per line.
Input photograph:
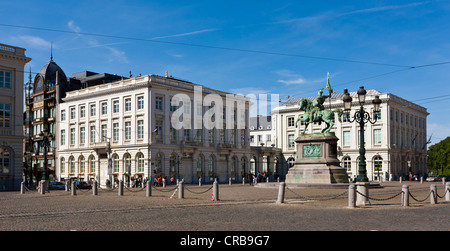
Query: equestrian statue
x,y
316,112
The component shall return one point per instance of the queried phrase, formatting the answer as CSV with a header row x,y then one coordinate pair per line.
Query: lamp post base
x,y
362,193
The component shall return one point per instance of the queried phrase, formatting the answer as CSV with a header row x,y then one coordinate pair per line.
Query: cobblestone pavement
x,y
241,207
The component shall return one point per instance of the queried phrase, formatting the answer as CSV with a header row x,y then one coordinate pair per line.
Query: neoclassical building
x,y
395,145
152,126
12,62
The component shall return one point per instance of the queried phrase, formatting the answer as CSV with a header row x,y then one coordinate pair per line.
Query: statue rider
x,y
317,105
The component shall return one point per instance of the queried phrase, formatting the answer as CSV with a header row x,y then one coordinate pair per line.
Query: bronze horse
x,y
326,116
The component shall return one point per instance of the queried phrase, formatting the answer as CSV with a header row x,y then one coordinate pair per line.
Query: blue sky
x,y
272,47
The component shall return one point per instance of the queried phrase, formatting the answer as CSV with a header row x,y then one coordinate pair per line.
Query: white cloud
x,y
34,42
73,27
291,78
186,34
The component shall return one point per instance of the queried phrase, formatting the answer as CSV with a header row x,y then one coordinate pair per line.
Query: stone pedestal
x,y
316,161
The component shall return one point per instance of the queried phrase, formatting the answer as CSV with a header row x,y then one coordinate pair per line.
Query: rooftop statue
x,y
316,112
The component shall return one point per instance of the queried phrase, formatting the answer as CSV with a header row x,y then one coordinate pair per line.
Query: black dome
x,y
48,73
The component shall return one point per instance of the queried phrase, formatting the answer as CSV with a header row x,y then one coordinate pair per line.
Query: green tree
x,y
439,157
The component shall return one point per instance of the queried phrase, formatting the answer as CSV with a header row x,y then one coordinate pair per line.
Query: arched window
x,y
200,164
140,162
72,164
378,166
159,163
91,164
127,163
5,160
347,163
173,170
82,164
234,168
63,165
212,167
115,159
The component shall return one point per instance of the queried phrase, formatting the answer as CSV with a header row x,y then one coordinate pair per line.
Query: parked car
x,y
55,185
83,185
432,178
440,177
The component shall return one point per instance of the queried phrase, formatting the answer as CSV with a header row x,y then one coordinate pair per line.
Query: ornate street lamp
x,y
361,117
44,135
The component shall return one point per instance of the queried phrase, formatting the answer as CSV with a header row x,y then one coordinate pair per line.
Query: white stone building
x,y
132,122
395,145
12,62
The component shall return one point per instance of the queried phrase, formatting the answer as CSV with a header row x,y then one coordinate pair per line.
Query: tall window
x,y
63,115
128,130
140,102
116,163
158,103
82,111
140,162
92,134
346,138
127,162
378,164
63,137
82,164
291,142
93,110
116,132
63,165
5,115
140,129
5,79
104,133
128,104
91,164
82,135
115,106
104,108
5,160
72,113
72,136
159,129
290,121
347,163
377,136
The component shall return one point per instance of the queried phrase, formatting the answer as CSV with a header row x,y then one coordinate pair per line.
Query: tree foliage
x,y
439,157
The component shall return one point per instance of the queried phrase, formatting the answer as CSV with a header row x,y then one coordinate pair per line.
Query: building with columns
x,y
395,145
152,126
12,63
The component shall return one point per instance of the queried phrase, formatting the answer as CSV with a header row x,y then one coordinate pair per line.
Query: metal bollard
x,y
120,187
22,187
352,195
164,182
215,190
401,179
74,188
447,191
421,180
199,181
181,190
94,188
229,181
149,189
433,196
42,184
405,196
67,186
281,189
